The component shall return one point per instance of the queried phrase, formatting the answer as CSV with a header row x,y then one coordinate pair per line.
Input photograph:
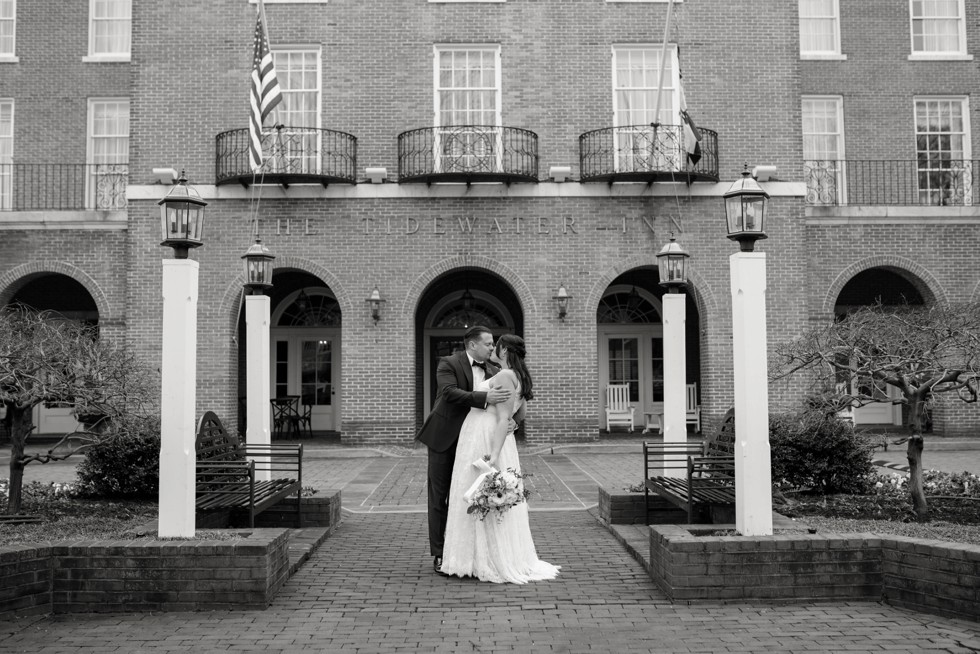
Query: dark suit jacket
x,y
455,397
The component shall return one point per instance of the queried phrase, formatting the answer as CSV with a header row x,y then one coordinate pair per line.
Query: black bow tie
x,y
481,364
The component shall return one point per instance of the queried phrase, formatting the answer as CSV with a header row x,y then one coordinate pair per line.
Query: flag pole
x,y
265,30
663,63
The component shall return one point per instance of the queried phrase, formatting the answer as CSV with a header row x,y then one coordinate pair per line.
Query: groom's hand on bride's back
x,y
498,395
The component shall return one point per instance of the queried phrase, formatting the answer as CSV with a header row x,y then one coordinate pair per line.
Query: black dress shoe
x,y
437,566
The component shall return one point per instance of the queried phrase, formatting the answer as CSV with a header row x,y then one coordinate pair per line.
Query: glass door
x,y
307,364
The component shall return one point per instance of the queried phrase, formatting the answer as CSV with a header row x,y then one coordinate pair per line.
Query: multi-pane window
x,y
8,25
646,137
938,27
6,152
819,28
823,149
467,111
110,26
108,153
296,148
943,154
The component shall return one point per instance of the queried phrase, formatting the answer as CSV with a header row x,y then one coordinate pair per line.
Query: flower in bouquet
x,y
495,491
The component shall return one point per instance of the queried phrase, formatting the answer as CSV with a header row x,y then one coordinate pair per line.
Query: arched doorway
x,y
304,348
889,287
452,304
66,298
630,342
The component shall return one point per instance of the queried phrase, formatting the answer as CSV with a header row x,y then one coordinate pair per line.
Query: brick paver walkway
x,y
370,588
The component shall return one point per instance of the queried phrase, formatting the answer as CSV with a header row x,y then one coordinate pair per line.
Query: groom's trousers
x,y
440,477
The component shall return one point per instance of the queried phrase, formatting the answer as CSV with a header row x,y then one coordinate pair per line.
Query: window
x,y
6,153
943,154
640,146
467,111
823,149
8,24
108,154
820,29
110,23
297,147
938,29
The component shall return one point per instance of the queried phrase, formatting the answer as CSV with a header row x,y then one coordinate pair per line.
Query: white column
x,y
675,377
257,375
178,378
753,475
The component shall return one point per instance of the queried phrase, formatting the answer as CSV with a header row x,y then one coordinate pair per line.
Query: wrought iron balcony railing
x,y
63,187
468,153
291,155
645,153
891,182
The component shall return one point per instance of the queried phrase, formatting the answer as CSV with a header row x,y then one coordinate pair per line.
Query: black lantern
x,y
561,299
258,268
182,218
673,266
374,303
746,206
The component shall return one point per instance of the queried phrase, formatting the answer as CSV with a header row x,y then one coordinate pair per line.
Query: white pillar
x,y
753,475
178,378
257,375
675,377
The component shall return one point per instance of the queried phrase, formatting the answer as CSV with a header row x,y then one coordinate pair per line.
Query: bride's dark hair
x,y
515,359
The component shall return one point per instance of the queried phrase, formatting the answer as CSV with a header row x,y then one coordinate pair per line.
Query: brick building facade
x,y
453,242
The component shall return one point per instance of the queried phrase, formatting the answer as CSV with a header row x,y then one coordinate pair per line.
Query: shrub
x,y
125,462
816,451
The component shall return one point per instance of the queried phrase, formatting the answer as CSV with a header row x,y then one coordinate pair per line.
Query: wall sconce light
x,y
561,299
374,304
165,175
376,175
560,173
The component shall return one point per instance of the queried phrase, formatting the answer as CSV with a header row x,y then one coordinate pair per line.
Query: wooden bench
x,y
232,476
709,479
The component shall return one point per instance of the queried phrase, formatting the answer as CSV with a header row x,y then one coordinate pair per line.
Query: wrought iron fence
x,y
468,152
645,151
53,187
891,182
304,153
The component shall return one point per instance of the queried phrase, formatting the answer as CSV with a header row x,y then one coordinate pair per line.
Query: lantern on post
x,y
746,209
672,259
561,299
182,218
258,268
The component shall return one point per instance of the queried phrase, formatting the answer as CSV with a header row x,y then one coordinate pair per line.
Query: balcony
x,y
936,183
645,153
468,153
292,155
63,187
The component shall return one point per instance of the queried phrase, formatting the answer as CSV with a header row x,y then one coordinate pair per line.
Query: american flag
x,y
691,133
265,93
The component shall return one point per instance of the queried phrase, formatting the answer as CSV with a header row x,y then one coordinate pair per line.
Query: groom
x,y
457,375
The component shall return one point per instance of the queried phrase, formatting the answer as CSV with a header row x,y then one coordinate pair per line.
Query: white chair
x,y
693,408
618,409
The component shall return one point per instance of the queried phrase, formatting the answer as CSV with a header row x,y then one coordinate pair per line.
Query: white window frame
x,y
839,169
834,53
289,2
94,56
441,2
958,54
307,164
967,154
643,1
669,97
97,175
6,162
437,49
11,56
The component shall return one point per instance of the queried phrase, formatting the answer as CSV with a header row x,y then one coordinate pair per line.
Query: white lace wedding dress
x,y
494,549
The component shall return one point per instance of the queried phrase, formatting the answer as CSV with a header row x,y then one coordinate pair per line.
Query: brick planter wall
x,y
929,576
628,509
320,510
117,576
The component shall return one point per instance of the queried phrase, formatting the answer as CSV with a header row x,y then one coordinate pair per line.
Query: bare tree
x,y
921,351
47,359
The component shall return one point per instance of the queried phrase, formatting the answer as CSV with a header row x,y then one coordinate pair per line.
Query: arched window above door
x,y
467,310
313,309
632,306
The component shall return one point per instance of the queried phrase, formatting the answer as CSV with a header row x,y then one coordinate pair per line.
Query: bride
x,y
499,548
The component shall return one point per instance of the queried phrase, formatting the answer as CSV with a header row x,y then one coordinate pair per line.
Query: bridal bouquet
x,y
494,490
